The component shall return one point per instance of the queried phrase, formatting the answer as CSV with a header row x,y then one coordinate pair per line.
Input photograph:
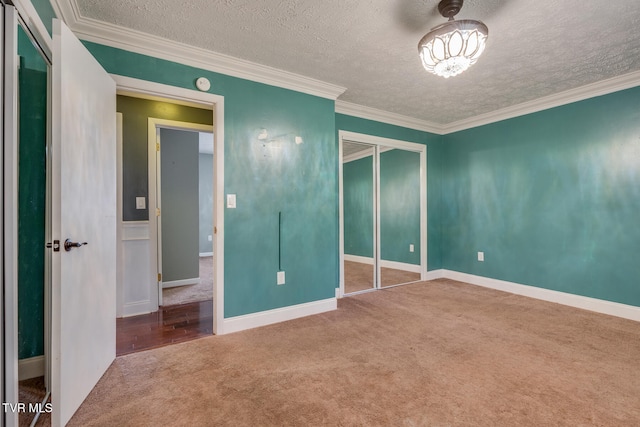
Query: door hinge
x,y
215,230
159,277
157,146
157,211
55,245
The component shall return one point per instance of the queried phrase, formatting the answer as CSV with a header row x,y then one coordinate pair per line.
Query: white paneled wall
x,y
138,281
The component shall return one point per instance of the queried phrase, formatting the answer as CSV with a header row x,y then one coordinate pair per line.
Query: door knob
x,y
68,244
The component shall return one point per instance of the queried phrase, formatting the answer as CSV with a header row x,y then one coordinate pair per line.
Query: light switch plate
x,y
140,203
480,256
231,201
411,248
280,278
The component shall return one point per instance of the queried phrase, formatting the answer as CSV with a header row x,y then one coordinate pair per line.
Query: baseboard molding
x,y
338,293
400,266
205,254
578,301
383,263
135,308
32,367
358,258
181,282
268,317
434,274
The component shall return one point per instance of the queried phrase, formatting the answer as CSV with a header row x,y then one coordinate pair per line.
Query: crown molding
x,y
351,109
136,41
603,87
145,44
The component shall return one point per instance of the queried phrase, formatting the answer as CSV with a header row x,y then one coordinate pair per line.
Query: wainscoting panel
x,y
138,280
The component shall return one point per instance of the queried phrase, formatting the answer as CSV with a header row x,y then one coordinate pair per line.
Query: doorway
x,y
161,218
382,212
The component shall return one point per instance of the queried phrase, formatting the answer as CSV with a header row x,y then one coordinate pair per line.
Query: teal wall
x,y
300,181
399,206
32,87
357,190
552,198
135,152
179,204
434,170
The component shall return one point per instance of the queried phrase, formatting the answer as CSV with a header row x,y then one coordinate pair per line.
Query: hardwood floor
x,y
170,324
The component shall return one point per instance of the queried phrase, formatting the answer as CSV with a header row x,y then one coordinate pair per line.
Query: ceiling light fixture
x,y
449,49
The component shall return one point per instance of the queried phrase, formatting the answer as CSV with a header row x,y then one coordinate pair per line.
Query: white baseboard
x,y
338,293
586,303
358,258
268,317
205,254
182,282
383,263
32,367
435,274
135,308
400,266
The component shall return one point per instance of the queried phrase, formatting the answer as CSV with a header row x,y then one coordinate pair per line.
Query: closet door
x,y
359,189
399,216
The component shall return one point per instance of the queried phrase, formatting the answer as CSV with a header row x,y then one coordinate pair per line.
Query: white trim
x,y
32,367
10,213
135,230
592,90
412,268
360,259
368,113
604,87
404,266
136,308
181,282
363,154
434,274
268,317
177,93
139,42
338,293
119,224
578,301
205,254
154,174
29,14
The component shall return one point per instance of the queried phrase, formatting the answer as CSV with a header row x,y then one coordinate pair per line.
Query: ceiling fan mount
x,y
450,8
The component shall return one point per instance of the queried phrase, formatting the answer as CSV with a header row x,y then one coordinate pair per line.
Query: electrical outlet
x,y
480,256
280,278
411,248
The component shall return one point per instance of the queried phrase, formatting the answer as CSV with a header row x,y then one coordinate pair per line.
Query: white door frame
x,y
10,214
151,90
379,142
155,185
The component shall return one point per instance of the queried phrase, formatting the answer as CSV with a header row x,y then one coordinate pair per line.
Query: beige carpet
x,y
359,277
439,353
192,293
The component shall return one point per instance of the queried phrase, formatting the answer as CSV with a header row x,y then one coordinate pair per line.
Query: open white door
x,y
83,210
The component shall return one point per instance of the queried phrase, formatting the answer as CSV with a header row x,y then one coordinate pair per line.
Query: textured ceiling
x,y
535,48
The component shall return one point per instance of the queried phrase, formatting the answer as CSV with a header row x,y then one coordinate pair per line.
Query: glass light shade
x,y
450,48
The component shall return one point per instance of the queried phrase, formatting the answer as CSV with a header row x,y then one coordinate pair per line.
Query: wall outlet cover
x,y
141,203
411,248
280,278
480,256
